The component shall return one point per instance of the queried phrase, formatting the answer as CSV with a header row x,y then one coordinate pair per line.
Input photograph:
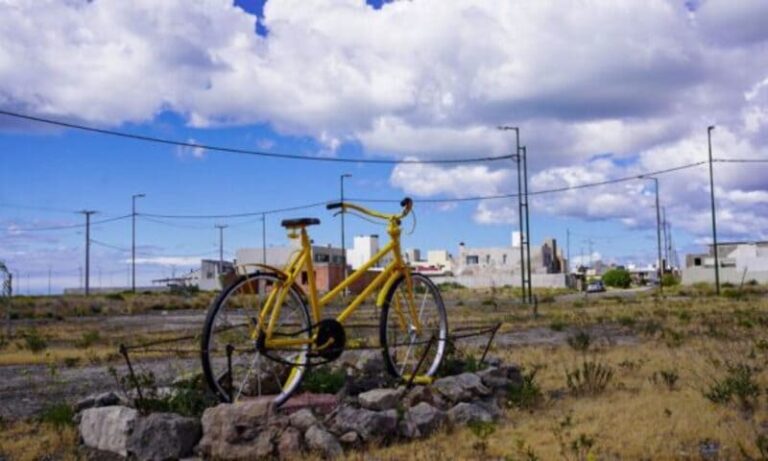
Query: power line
x,y
232,150
542,191
71,226
109,245
741,160
236,215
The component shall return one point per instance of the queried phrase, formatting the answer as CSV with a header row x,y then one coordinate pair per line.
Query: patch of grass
x,y
481,430
324,380
88,339
668,377
58,415
580,341
558,325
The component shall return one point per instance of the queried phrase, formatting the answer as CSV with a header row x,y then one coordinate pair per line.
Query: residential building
x,y
365,247
327,260
739,262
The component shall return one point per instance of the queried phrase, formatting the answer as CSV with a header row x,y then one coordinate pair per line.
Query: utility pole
x,y
49,280
567,251
589,244
659,269
133,240
524,153
264,238
343,239
714,218
666,240
87,214
80,275
517,158
221,228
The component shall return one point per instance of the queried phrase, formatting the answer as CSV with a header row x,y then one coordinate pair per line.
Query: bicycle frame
x,y
303,261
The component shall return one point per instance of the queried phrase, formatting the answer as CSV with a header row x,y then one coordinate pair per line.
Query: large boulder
x,y
162,436
239,431
371,425
426,418
108,428
302,419
380,399
321,441
289,443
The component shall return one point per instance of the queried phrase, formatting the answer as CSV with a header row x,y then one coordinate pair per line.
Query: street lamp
x,y
133,240
714,219
343,240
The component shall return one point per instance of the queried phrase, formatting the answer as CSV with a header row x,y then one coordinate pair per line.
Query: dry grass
x,y
33,441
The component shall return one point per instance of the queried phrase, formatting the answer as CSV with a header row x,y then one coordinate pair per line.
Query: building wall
x,y
440,258
500,280
727,274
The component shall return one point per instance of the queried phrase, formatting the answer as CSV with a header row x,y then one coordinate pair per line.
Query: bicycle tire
x,y
264,377
404,363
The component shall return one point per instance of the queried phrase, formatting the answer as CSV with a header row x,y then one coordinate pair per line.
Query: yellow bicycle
x,y
263,331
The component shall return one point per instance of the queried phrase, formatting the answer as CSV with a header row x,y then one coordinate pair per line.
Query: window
x,y
504,259
473,260
487,259
322,258
304,278
697,261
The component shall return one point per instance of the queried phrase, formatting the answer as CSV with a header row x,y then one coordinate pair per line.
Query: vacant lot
x,y
610,377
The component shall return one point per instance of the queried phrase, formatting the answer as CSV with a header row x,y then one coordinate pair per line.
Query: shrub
x,y
591,378
669,280
527,394
738,386
34,341
580,341
88,339
324,380
668,377
558,325
59,415
619,278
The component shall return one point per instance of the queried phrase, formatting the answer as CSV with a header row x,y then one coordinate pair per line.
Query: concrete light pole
x,y
87,214
221,228
133,240
343,238
714,218
659,270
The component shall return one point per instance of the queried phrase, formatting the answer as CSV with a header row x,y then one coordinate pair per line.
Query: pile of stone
x,y
255,430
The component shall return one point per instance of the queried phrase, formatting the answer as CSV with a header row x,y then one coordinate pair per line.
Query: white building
x,y
365,247
739,261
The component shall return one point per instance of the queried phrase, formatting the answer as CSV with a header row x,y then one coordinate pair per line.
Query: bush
x,y
88,339
669,280
591,378
527,394
580,341
58,415
618,278
34,341
737,386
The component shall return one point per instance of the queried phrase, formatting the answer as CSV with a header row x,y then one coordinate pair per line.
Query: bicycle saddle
x,y
299,222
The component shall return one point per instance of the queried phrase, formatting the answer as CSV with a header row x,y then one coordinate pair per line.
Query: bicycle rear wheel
x,y
246,373
402,344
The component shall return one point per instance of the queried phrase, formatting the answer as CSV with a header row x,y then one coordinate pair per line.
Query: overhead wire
x,y
241,151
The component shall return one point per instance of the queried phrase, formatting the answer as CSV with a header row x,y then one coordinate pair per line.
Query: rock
x,y
371,425
321,441
289,443
493,361
450,388
302,419
104,399
321,403
494,378
162,436
426,418
418,394
108,428
408,429
234,431
264,447
370,362
464,413
491,405
380,399
473,384
349,438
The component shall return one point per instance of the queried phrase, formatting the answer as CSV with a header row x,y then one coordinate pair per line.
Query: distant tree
x,y
618,278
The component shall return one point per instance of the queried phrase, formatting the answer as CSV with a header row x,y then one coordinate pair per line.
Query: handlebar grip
x,y
406,202
334,205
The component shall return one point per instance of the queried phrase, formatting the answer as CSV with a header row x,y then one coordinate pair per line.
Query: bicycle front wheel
x,y
407,348
233,365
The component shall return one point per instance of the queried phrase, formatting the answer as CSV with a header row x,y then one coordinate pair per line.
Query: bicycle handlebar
x,y
406,203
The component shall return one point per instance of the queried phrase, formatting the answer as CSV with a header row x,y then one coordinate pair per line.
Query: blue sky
x,y
618,92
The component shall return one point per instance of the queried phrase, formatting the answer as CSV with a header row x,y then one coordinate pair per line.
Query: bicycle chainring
x,y
329,329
